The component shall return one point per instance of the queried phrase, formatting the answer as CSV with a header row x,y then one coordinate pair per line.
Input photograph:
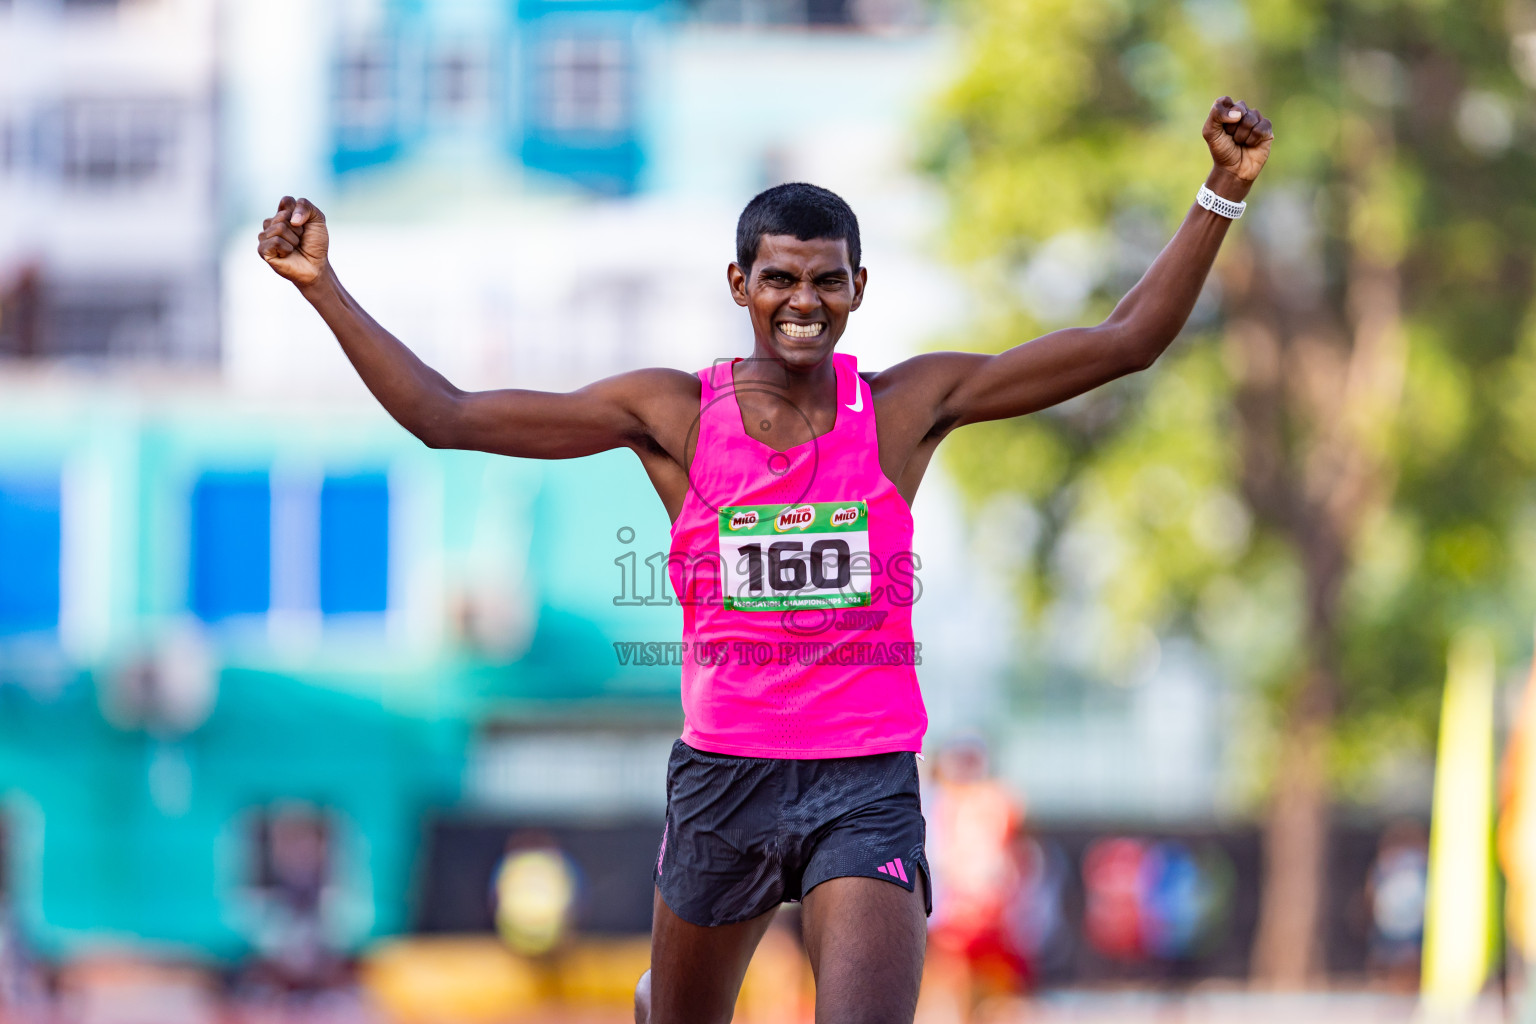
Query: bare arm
x,y
969,387
612,413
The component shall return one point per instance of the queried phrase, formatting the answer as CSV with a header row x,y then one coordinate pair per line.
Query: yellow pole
x,y
1456,947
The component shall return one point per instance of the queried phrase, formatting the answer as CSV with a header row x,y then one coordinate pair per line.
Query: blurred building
x,y
548,193
274,678
234,594
107,168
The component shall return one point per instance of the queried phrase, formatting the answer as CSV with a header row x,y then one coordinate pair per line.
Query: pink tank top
x,y
797,578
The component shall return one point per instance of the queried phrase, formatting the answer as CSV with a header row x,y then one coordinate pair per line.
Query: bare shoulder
x,y
936,372
656,383
910,396
924,381
664,400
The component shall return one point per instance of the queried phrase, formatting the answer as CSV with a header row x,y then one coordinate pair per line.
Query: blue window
x,y
29,554
354,544
231,545
580,100
364,110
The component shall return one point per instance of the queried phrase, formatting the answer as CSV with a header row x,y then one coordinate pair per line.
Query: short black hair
x,y
795,208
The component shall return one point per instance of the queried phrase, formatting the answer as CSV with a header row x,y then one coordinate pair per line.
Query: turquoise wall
x,y
124,832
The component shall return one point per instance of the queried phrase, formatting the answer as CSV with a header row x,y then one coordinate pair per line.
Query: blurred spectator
x,y
973,821
295,952
1161,902
1112,891
21,988
20,301
1395,892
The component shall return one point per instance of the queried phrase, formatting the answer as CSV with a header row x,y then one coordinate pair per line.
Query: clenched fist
x,y
294,241
1239,138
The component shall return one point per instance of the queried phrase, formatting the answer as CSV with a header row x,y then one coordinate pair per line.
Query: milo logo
x,y
743,520
844,516
797,518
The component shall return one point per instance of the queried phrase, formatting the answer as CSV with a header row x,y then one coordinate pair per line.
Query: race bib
x,y
778,557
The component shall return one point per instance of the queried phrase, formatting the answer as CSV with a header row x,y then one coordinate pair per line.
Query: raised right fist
x,y
294,241
1239,138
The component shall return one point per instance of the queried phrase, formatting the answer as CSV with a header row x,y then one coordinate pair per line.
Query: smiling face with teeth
x,y
799,293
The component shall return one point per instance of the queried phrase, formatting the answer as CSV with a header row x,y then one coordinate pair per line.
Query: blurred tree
x,y
1331,474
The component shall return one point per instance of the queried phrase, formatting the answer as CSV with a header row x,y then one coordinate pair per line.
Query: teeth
x,y
801,330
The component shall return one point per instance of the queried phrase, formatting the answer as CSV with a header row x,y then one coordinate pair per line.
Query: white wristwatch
x,y
1218,205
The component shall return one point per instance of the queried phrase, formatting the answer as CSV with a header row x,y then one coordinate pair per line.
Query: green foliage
x,y
1402,140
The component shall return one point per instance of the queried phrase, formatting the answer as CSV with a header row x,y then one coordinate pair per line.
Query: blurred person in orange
x,y
974,824
1517,844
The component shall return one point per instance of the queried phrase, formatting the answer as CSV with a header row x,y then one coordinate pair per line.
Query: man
x,y
788,478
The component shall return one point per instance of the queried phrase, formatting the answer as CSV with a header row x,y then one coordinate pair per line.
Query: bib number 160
x,y
780,558
787,565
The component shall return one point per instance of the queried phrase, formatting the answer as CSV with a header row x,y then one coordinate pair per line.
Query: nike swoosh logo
x,y
858,396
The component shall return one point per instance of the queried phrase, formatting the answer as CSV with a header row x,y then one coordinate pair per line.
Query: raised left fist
x,y
1239,138
294,241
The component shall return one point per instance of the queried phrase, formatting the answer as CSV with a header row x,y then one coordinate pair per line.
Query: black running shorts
x,y
744,834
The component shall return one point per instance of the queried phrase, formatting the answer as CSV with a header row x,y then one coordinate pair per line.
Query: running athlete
x,y
789,478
